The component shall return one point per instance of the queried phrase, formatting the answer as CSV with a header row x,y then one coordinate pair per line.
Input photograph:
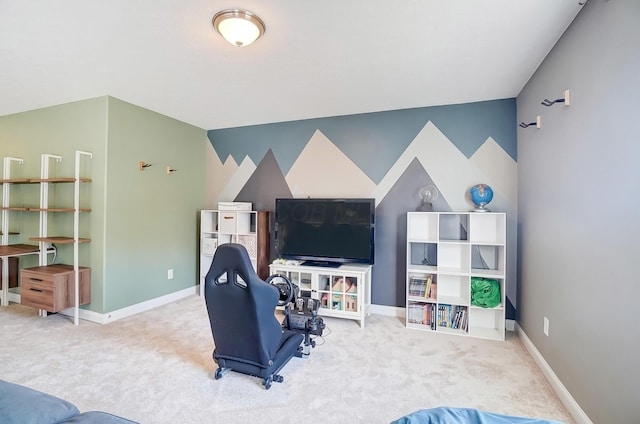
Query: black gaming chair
x,y
247,336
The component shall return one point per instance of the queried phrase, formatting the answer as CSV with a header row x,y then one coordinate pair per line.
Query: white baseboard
x,y
391,311
565,397
108,317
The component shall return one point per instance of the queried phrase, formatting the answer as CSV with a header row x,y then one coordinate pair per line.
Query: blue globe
x,y
481,194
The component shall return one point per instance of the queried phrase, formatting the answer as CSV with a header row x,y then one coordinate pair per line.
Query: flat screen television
x,y
325,232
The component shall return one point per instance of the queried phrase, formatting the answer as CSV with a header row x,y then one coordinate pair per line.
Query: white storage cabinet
x,y
343,292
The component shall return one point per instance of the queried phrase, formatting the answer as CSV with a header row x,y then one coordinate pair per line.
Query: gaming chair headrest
x,y
231,258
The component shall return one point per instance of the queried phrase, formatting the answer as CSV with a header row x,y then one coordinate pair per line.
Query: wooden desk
x,y
6,252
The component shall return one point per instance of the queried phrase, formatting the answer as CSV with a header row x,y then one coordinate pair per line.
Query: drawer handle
x,y
35,279
36,290
228,217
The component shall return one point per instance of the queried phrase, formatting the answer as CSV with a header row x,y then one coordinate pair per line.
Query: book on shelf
x,y
443,316
417,286
422,313
415,313
453,316
459,318
427,287
420,286
433,291
433,316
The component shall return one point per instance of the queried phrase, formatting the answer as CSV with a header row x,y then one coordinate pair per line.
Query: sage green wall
x,y
151,217
60,130
142,222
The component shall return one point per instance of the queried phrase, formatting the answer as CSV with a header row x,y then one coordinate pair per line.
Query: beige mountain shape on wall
x,y
500,171
218,175
237,180
323,170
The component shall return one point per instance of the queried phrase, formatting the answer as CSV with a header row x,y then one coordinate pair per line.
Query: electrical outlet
x,y
170,275
546,326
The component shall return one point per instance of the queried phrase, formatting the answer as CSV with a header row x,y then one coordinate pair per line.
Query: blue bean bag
x,y
447,415
23,405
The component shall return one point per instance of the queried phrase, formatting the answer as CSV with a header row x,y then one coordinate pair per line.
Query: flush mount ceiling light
x,y
238,27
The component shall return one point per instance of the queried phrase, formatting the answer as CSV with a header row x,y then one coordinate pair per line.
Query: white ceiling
x,y
316,59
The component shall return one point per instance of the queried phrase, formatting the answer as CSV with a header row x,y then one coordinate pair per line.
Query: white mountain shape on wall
x,y
500,171
217,176
323,170
237,180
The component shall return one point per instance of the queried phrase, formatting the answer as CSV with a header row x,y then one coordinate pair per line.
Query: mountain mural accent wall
x,y
316,165
374,141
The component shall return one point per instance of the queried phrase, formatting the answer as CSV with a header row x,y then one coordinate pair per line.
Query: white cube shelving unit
x,y
445,252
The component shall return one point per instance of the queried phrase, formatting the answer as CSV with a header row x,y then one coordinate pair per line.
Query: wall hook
x,y
537,123
143,165
170,170
564,99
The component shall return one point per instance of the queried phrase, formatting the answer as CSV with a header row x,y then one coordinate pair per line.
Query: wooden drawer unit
x,y
52,287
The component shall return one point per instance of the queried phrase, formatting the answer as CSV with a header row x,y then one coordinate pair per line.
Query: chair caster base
x,y
267,381
221,372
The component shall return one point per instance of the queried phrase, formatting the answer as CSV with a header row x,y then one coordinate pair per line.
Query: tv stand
x,y
343,292
324,264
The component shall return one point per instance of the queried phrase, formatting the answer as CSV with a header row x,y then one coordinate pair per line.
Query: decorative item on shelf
x,y
239,27
170,170
346,285
250,243
209,246
142,165
351,303
485,292
428,194
481,195
564,99
537,123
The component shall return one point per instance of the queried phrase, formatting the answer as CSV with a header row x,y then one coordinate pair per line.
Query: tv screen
x,y
326,231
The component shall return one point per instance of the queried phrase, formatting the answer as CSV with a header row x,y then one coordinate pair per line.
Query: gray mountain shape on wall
x,y
388,281
265,185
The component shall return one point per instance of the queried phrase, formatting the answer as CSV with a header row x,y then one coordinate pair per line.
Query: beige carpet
x,y
156,367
